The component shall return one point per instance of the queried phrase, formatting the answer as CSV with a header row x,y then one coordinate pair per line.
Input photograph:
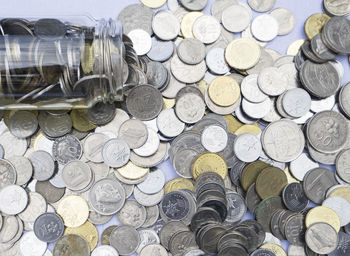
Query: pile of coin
x,y
48,59
232,117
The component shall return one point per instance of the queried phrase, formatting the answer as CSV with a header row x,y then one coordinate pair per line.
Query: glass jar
x,y
60,63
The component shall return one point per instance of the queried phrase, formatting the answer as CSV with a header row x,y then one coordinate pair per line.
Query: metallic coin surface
x,y
66,148
165,25
51,193
13,199
87,231
48,227
23,124
125,239
247,147
116,153
132,214
71,245
8,173
322,214
30,245
326,241
107,196
77,175
270,182
294,197
74,211
43,165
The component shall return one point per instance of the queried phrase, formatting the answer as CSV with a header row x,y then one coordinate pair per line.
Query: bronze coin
x,y
250,172
270,182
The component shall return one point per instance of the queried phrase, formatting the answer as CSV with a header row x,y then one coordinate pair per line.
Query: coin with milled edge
x,y
66,148
48,227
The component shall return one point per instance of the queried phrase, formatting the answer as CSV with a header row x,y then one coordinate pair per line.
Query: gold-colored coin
x,y
243,53
290,178
224,91
87,231
209,162
233,123
132,172
294,47
322,214
106,234
249,128
270,182
74,211
342,192
187,23
168,103
314,24
88,58
153,3
203,86
177,184
80,120
275,248
251,172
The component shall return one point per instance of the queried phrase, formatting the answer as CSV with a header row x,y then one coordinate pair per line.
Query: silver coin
x,y
243,117
100,170
152,215
107,196
285,19
283,140
236,207
296,102
236,18
269,238
136,16
13,199
141,41
55,125
43,165
125,239
256,110
214,138
66,148
148,200
36,206
261,6
194,252
273,115
216,62
247,147
104,250
169,124
132,213
173,5
344,99
342,165
194,5
173,88
187,73
224,39
30,245
341,206
182,162
151,145
336,7
275,54
265,27
8,173
219,6
301,165
23,124
271,81
161,50
148,237
116,153
191,51
250,89
93,145
98,219
206,29
190,108
323,158
153,183
321,238
12,145
322,134
154,249
77,175
165,25
9,229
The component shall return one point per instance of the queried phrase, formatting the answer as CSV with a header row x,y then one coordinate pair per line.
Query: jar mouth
x,y
39,70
